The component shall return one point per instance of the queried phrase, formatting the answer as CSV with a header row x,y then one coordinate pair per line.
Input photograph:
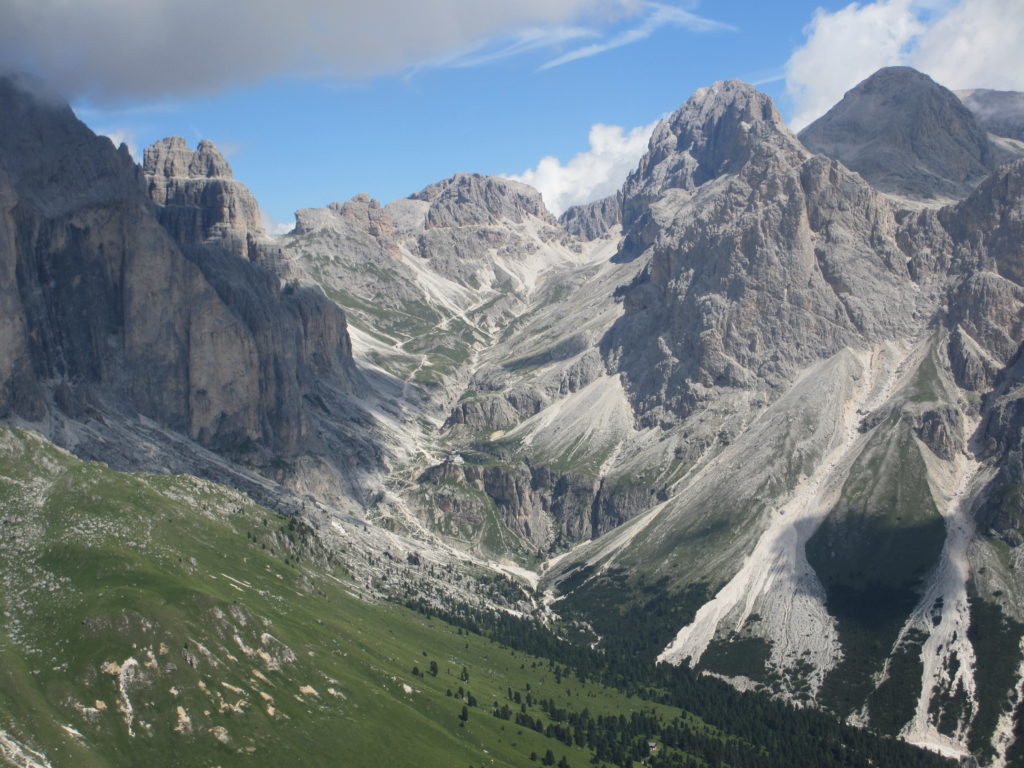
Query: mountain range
x,y
758,414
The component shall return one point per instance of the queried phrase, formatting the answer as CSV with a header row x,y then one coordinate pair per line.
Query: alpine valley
x,y
724,470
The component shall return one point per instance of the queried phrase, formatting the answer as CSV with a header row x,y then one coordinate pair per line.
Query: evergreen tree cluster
x,y
748,730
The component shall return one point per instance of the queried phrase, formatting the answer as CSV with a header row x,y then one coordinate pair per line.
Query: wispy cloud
x,y
764,78
658,16
522,42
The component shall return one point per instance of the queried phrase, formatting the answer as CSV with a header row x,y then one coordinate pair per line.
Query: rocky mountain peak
x,y
471,199
999,112
172,158
360,214
717,131
906,135
196,193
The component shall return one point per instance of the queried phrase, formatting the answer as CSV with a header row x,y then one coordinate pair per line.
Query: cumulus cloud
x,y
149,49
590,175
961,44
275,227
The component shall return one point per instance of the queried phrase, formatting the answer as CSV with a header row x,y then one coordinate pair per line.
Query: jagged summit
x,y
196,193
717,131
762,258
906,135
362,212
172,158
469,199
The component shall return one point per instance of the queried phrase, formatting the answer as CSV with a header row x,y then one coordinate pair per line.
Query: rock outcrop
x,y
196,194
468,199
593,220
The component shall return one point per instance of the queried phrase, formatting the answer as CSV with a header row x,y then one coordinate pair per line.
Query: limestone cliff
x,y
196,194
114,312
593,220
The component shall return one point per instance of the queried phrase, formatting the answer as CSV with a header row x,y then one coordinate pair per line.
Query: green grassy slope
x,y
152,620
161,620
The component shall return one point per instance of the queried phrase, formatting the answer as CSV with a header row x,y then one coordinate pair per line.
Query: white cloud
x,y
978,44
590,175
961,44
116,50
842,49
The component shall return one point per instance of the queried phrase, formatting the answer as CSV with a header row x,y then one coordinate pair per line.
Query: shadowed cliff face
x,y
105,311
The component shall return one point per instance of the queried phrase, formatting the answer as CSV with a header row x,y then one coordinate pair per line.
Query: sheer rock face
x,y
105,315
906,135
593,220
197,196
998,112
762,258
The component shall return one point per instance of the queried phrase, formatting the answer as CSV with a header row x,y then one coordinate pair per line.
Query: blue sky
x,y
390,103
